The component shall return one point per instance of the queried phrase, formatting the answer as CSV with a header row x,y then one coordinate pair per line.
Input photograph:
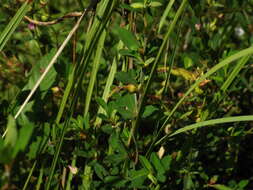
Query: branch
x,y
40,23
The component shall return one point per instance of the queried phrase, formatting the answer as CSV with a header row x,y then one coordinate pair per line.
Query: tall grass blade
x,y
13,24
29,176
235,72
207,123
171,61
95,67
165,15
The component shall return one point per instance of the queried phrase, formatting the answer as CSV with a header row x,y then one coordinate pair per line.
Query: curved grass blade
x,y
207,123
13,24
165,14
51,63
235,72
223,63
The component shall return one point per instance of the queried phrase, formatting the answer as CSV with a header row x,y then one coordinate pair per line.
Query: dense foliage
x,y
146,94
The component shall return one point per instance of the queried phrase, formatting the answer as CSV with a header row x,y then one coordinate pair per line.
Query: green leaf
x,y
138,177
134,174
116,158
1,145
116,144
166,161
148,111
126,77
129,53
38,69
220,187
155,4
100,170
12,134
25,134
102,103
127,38
126,106
146,164
188,183
161,177
13,24
243,183
157,163
188,62
152,178
137,5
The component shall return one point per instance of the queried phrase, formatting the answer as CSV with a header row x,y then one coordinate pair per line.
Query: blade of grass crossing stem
x,y
103,15
157,59
53,60
94,71
235,72
80,67
165,14
207,123
92,38
108,84
107,9
13,24
223,63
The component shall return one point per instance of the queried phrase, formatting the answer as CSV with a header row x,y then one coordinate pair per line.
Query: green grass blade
x,y
95,67
223,63
165,14
29,176
13,24
108,84
207,123
235,72
104,13
65,96
171,61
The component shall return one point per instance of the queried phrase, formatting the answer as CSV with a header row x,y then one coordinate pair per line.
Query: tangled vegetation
x,y
126,94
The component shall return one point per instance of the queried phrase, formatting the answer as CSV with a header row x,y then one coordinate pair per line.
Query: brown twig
x,y
41,23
